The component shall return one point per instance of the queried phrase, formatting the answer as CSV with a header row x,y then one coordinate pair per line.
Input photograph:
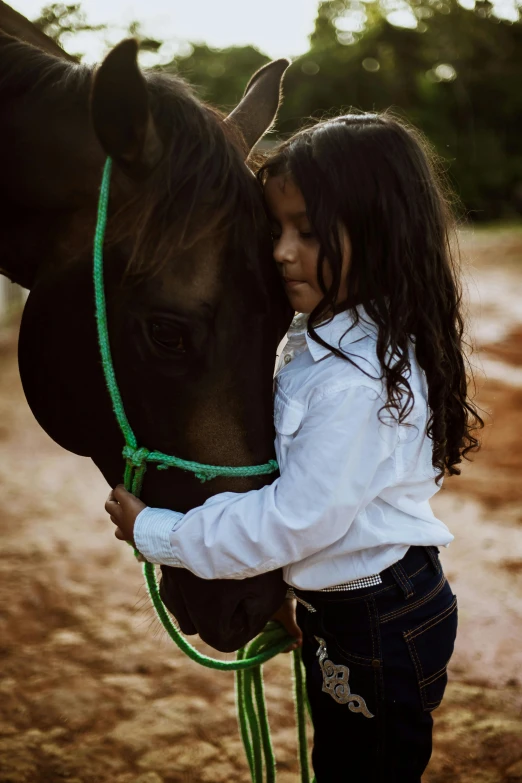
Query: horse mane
x,y
200,189
24,69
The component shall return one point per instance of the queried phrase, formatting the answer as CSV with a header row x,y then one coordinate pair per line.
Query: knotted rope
x,y
138,458
251,704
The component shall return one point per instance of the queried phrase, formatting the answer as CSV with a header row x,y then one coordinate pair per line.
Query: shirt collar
x,y
340,332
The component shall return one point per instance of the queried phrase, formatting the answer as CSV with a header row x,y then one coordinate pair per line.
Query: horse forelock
x,y
200,190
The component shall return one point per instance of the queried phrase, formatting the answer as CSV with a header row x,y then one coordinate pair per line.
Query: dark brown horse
x,y
195,305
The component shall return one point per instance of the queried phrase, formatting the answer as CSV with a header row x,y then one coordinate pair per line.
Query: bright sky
x,y
277,27
280,28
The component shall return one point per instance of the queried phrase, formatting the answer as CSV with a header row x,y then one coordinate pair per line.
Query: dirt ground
x,y
91,691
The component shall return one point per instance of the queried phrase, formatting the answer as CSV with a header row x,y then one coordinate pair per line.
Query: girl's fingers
x,y
120,494
119,534
109,504
114,510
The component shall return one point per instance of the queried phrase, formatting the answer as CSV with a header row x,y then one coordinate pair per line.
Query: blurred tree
x,y
57,19
347,20
219,74
455,75
453,72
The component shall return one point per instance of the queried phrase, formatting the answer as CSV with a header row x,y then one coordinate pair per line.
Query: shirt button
x,y
288,358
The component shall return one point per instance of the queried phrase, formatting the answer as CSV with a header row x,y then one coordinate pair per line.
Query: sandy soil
x,y
91,691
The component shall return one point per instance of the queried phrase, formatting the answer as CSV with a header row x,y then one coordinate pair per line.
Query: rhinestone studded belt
x,y
355,584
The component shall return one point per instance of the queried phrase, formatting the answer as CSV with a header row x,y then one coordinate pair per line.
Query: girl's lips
x,y
291,283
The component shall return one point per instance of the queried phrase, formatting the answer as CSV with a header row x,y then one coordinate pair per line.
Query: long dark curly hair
x,y
379,178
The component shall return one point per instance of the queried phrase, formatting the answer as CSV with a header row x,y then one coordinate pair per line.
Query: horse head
x,y
195,305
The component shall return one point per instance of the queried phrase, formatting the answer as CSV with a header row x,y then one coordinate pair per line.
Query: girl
x,y
371,411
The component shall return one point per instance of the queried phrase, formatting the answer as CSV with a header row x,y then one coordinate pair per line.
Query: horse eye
x,y
168,336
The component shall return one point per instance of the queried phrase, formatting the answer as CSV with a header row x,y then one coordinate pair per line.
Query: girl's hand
x,y
123,508
286,616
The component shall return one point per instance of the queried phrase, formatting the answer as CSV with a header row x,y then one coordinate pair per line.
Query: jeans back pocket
x,y
431,646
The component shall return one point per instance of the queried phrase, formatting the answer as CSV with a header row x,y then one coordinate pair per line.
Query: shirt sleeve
x,y
333,469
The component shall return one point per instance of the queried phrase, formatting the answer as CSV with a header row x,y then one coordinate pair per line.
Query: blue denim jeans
x,y
375,661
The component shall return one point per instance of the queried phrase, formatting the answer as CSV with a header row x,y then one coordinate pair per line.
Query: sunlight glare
x,y
279,28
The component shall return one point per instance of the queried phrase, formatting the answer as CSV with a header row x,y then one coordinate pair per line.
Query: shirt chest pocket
x,y
288,417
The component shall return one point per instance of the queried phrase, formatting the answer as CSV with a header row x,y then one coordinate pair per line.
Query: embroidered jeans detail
x,y
395,652
336,682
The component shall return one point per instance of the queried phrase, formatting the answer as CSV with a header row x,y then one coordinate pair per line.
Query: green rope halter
x,y
252,713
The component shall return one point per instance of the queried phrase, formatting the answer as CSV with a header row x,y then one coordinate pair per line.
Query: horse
x,y
196,308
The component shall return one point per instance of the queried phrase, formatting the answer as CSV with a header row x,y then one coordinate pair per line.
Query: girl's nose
x,y
285,251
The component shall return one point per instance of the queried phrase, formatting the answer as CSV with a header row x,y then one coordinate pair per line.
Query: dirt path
x,y
92,692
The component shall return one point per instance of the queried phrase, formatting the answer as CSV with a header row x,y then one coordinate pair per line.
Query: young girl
x,y
371,411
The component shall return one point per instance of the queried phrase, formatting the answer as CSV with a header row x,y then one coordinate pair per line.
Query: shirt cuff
x,y
152,530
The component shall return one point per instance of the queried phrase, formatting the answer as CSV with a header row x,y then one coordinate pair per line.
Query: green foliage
x,y
219,74
457,76
57,19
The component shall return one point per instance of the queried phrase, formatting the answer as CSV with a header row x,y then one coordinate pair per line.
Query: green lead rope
x,y
251,704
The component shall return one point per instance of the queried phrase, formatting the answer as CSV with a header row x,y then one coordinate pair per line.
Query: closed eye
x,y
276,235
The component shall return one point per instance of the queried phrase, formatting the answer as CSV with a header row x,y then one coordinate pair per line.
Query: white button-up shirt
x,y
353,493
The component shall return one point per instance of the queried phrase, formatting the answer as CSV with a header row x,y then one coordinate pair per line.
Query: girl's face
x,y
296,249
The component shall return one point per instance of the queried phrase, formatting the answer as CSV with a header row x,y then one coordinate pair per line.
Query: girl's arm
x,y
339,460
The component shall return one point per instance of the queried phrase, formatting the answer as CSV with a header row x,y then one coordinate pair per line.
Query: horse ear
x,y
257,110
13,23
121,114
